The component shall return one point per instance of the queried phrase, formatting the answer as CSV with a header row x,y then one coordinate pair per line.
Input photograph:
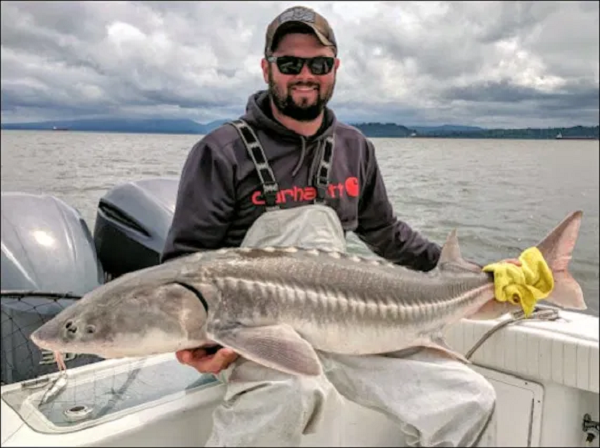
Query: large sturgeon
x,y
275,306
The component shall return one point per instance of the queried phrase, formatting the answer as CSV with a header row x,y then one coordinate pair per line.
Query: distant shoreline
x,y
370,130
423,137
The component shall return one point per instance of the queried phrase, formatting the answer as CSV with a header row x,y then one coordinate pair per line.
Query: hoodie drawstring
x,y
315,162
301,160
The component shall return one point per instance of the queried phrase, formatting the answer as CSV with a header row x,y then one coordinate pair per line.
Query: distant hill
x,y
396,130
372,130
573,132
384,130
145,126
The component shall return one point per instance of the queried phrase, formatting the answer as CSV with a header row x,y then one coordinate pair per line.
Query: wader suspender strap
x,y
322,175
254,148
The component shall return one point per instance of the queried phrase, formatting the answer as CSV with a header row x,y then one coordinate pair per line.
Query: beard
x,y
303,111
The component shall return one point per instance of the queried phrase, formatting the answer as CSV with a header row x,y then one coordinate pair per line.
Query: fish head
x,y
134,315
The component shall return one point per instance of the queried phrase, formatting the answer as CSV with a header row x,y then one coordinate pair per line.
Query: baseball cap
x,y
299,16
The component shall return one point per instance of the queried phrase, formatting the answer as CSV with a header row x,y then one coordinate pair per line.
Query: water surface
x,y
502,195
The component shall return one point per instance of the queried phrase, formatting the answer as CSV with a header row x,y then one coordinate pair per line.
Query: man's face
x,y
303,96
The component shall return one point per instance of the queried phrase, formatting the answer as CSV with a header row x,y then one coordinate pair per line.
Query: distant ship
x,y
57,128
559,136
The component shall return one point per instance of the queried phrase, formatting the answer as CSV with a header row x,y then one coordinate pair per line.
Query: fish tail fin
x,y
557,248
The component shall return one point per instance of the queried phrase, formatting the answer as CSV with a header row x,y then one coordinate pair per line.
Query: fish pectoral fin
x,y
436,344
278,347
439,345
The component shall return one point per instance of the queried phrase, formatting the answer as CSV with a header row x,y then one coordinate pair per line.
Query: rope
x,y
21,294
540,313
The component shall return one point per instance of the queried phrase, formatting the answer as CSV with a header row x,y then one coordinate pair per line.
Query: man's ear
x,y
264,64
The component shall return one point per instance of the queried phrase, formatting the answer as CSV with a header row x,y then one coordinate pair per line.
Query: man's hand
x,y
204,361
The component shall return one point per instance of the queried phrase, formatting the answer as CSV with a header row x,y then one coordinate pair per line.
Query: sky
x,y
491,64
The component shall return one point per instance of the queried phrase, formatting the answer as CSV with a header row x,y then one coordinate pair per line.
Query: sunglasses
x,y
292,65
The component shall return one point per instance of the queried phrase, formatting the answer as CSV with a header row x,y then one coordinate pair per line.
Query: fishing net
x,y
22,313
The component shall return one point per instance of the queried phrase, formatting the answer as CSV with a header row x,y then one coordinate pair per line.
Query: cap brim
x,y
285,27
321,37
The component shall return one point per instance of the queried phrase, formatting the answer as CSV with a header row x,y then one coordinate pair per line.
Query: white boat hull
x,y
545,374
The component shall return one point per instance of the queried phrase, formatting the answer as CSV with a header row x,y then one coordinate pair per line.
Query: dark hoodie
x,y
220,194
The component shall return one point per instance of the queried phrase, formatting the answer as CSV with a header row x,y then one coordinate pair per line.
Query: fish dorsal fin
x,y
451,250
451,257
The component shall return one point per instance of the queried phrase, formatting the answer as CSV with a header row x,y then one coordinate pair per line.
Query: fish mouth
x,y
62,348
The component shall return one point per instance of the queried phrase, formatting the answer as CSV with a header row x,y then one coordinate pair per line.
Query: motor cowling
x,y
132,222
48,262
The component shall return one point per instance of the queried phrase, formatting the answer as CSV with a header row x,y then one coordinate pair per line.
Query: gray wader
x,y
434,400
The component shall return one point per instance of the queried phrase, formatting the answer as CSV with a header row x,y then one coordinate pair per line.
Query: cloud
x,y
484,63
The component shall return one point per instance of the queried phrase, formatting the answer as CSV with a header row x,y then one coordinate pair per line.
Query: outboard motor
x,y
48,262
132,222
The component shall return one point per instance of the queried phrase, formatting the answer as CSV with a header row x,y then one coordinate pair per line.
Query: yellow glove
x,y
523,285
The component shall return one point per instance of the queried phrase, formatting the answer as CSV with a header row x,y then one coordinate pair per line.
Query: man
x,y
288,173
